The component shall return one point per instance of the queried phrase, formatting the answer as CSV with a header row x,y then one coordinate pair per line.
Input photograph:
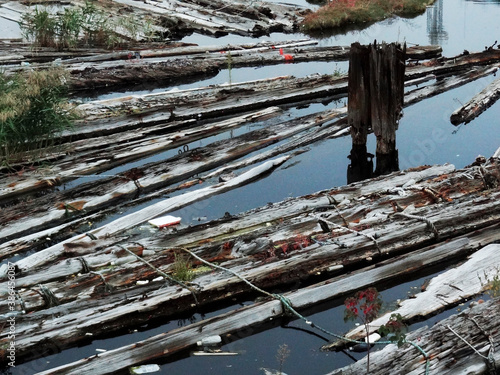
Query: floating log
x,y
448,83
447,289
477,105
464,343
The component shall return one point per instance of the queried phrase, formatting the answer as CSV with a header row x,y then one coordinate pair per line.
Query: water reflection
x,y
435,24
361,166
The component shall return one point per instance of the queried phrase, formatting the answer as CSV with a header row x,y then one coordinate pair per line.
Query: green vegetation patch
x,y
338,13
86,26
33,112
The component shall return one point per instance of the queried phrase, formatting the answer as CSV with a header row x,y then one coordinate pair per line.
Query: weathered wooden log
x,y
168,344
448,83
477,105
453,65
464,343
448,288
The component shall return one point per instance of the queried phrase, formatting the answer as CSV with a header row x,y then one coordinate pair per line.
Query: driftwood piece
x,y
464,343
477,105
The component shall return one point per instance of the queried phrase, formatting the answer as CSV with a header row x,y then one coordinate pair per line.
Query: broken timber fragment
x,y
477,105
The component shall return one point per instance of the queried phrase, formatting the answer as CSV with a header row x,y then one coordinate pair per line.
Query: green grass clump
x,y
182,269
338,13
33,112
86,26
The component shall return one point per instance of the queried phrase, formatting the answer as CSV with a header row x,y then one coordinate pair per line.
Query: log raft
x,y
134,145
167,344
273,245
105,70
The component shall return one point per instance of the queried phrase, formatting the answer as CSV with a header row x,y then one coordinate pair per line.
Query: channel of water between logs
x,y
456,25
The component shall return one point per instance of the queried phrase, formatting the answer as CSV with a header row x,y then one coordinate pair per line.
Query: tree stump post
x,y
375,101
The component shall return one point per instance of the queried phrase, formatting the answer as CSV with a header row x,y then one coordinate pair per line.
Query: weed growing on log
x,y
282,354
394,329
229,60
87,26
182,270
364,306
338,13
492,286
33,113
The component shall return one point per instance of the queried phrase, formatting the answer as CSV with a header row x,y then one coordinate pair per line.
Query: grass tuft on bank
x,y
87,26
339,13
33,113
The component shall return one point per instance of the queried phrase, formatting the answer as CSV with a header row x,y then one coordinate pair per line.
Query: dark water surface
x,y
425,136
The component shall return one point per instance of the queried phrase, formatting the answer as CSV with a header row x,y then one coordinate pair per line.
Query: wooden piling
x,y
358,104
375,102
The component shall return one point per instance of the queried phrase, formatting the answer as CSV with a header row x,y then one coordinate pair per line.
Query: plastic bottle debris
x,y
210,341
165,221
145,369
